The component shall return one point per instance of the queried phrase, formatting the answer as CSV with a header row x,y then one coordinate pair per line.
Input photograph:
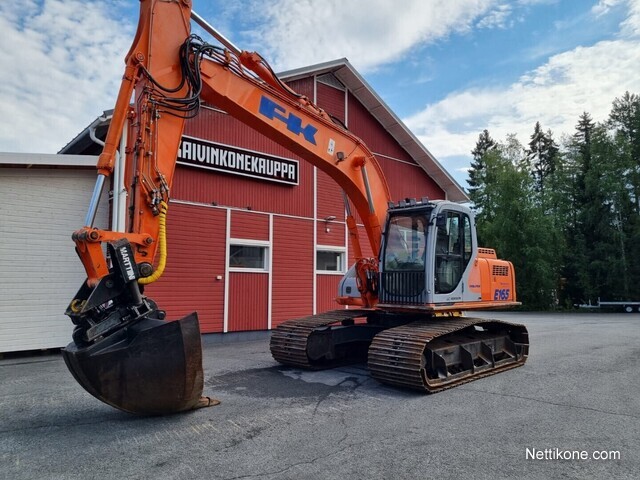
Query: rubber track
x,y
289,340
396,355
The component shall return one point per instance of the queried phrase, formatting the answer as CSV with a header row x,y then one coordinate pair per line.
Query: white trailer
x,y
625,306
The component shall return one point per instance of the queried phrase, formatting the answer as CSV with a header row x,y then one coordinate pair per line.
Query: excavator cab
x,y
426,254
429,256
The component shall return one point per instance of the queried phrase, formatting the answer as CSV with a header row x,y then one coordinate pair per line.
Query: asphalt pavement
x,y
577,396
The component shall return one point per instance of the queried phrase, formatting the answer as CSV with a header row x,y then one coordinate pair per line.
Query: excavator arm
x,y
124,353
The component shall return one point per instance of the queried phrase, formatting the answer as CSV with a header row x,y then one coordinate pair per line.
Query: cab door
x,y
453,240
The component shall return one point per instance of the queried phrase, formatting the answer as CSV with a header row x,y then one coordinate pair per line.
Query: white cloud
x,y
61,60
603,6
368,32
497,18
555,93
60,67
631,26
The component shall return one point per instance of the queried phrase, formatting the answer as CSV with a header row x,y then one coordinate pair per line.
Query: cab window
x,y
405,243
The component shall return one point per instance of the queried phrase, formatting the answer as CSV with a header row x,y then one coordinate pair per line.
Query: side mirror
x,y
441,220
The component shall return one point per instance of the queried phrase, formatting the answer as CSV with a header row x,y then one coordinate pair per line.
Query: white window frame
x,y
242,242
332,248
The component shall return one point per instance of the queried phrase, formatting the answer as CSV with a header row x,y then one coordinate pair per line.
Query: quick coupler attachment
x,y
116,301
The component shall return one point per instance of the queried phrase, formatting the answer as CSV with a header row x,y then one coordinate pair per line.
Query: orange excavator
x,y
405,306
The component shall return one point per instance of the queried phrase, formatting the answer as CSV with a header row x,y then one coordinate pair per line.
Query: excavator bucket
x,y
151,367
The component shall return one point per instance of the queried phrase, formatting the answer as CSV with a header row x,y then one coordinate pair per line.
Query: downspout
x,y
97,189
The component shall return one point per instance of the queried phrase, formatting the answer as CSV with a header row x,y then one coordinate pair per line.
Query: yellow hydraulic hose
x,y
162,240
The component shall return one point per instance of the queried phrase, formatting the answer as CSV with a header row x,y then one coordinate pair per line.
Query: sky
x,y
448,69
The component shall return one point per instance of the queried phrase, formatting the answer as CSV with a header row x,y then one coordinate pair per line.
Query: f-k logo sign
x,y
272,110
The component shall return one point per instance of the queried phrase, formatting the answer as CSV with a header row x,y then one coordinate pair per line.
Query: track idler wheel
x,y
151,367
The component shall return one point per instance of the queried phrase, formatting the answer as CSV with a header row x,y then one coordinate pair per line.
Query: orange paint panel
x,y
474,282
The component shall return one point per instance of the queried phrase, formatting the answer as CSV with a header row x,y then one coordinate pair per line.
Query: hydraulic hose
x,y
162,240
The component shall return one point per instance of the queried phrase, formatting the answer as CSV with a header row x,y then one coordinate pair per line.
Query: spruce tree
x,y
477,172
541,156
595,235
624,123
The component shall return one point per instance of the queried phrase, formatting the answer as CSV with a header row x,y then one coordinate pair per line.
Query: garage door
x,y
39,269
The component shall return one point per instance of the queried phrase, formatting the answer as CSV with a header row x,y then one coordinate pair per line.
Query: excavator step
x,y
433,355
